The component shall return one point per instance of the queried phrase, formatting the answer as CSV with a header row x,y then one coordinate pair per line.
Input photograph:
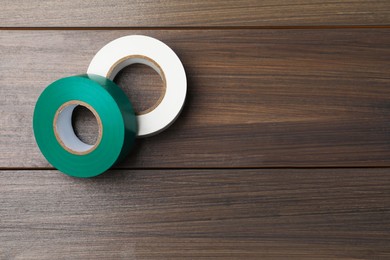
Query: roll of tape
x,y
54,133
132,49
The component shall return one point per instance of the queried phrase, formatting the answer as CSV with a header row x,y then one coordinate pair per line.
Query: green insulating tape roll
x,y
55,135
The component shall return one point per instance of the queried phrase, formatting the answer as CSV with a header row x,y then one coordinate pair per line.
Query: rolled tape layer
x,y
132,49
54,133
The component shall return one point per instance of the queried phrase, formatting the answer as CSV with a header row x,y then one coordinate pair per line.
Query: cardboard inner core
x,y
138,59
64,131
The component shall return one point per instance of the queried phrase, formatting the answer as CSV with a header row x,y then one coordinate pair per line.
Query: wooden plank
x,y
257,98
177,214
124,13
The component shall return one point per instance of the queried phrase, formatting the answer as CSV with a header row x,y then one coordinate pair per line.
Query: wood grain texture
x,y
257,98
125,13
186,214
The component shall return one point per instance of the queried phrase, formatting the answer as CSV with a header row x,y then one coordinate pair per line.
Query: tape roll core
x,y
133,59
64,131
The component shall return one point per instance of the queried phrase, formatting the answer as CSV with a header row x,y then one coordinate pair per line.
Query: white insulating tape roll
x,y
146,50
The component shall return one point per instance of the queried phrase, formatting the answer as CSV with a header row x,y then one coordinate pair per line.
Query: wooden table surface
x,y
282,150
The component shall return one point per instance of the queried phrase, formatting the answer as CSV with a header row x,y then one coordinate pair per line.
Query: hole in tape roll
x,y
142,80
77,127
85,125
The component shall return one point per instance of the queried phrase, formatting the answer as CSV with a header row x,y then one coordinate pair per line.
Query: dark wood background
x,y
282,150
